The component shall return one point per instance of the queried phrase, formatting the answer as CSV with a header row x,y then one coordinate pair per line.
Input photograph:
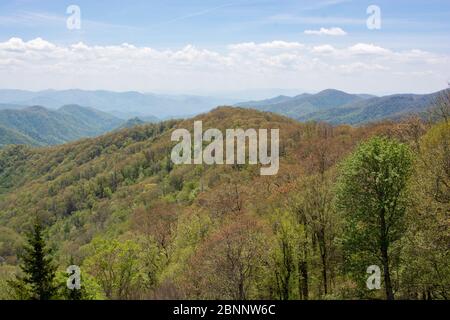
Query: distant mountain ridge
x,y
391,107
5,106
132,123
40,126
338,107
123,105
305,103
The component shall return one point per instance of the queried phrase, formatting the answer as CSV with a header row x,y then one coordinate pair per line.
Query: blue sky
x,y
214,25
424,24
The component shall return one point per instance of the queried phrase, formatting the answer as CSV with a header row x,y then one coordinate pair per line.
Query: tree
x,y
116,267
427,256
228,265
158,221
311,203
229,201
38,282
303,236
317,199
285,254
371,196
441,110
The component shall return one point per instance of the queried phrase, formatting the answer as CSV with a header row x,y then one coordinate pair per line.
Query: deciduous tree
x,y
372,198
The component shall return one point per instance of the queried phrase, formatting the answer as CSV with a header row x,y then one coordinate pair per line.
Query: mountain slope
x,y
305,103
132,123
48,127
86,117
10,136
337,107
264,103
66,180
122,187
391,107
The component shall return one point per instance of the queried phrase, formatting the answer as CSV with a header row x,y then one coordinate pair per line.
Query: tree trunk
x,y
304,291
324,271
323,258
385,258
387,275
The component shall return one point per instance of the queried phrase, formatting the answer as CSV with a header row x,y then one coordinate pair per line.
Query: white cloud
x,y
40,64
368,49
13,44
274,45
352,68
327,32
40,44
323,49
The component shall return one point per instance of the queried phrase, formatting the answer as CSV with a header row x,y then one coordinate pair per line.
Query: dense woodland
x,y
39,126
139,227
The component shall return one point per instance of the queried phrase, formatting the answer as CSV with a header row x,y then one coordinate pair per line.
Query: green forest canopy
x,y
140,227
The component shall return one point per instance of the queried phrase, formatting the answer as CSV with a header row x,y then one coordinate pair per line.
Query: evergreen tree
x,y
38,268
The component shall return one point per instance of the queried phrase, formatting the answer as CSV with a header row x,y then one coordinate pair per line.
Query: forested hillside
x,y
304,104
10,136
40,126
391,107
141,227
338,107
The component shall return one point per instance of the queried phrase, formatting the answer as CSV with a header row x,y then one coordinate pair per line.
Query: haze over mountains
x,y
124,105
55,117
338,107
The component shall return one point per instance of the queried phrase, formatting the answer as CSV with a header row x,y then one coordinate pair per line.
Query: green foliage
x,y
9,136
37,266
285,255
41,126
427,256
142,228
372,198
123,268
90,289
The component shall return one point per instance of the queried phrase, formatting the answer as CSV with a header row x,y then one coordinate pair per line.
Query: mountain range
x,y
338,107
40,126
332,106
124,105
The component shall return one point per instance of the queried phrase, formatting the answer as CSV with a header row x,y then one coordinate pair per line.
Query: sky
x,y
215,47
